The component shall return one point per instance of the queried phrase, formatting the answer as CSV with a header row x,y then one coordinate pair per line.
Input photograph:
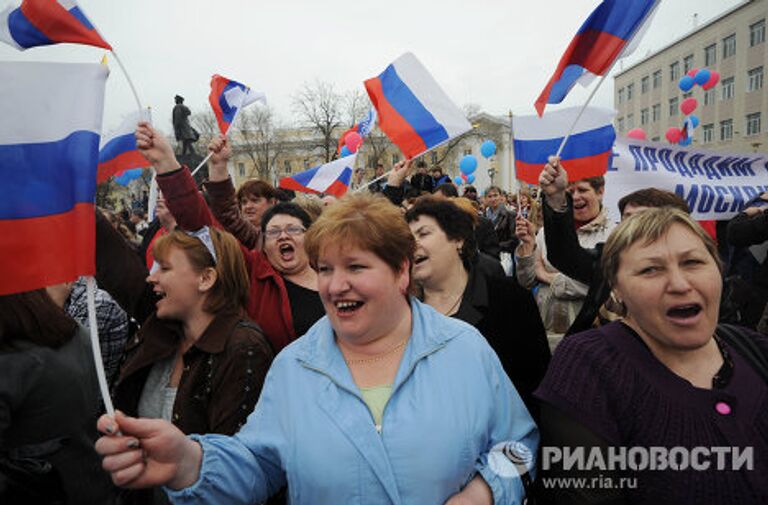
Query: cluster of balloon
x,y
352,141
705,78
467,167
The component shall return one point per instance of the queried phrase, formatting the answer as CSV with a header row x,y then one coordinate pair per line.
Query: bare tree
x,y
375,145
356,104
205,124
320,107
259,139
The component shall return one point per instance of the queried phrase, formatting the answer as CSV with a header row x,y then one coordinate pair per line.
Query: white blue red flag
x,y
414,112
119,152
49,149
228,97
45,22
331,179
587,153
366,125
603,38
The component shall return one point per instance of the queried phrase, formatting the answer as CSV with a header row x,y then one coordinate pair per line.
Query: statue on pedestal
x,y
185,134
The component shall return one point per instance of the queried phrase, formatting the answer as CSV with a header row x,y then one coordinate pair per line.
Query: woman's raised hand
x,y
141,453
155,147
553,181
525,231
220,153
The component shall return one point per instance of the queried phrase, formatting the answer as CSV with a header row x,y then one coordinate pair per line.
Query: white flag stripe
x,y
432,97
76,89
555,124
328,173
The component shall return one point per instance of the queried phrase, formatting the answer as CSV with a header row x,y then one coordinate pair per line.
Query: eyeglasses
x,y
293,231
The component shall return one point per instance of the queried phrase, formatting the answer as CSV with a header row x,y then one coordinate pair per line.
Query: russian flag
x,y
119,152
332,178
587,153
228,97
49,147
603,38
414,112
45,22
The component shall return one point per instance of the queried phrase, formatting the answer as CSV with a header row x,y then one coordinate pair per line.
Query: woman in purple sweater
x,y
664,406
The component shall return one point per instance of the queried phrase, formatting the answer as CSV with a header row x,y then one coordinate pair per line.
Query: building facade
x,y
734,114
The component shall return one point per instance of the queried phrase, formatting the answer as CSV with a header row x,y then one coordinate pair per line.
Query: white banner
x,y
715,184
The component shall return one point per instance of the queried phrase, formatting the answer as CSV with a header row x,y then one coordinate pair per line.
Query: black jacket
x,y
566,254
507,316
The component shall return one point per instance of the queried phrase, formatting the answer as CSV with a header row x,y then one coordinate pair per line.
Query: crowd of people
x,y
402,344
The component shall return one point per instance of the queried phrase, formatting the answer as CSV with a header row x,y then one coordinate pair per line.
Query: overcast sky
x,y
497,54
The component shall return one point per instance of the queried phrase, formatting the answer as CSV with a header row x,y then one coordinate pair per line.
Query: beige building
x,y
734,114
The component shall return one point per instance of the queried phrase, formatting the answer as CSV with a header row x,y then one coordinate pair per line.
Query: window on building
x,y
306,164
621,95
630,90
674,104
657,79
433,157
726,130
709,96
645,84
656,112
708,133
757,33
729,46
687,63
727,89
644,117
755,79
620,124
241,169
395,158
630,121
688,95
710,55
655,139
467,151
287,167
753,124
674,71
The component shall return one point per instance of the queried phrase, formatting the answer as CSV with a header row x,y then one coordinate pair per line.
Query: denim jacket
x,y
453,414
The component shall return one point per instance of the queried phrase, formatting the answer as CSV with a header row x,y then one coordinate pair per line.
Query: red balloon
x,y
637,134
674,135
353,141
464,176
689,105
714,78
692,72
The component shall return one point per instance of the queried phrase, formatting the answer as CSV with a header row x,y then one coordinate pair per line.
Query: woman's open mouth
x,y
347,306
287,251
684,313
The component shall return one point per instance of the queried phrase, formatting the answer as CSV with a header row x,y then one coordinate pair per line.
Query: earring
x,y
616,305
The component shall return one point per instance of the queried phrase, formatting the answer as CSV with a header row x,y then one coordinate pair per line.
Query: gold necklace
x,y
455,304
363,361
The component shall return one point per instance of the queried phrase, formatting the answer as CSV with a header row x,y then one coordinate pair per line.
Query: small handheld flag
x,y
119,152
414,112
46,22
228,97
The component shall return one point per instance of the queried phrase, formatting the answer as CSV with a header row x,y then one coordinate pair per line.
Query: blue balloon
x,y
694,120
470,179
702,76
457,180
488,148
468,164
686,141
345,152
686,83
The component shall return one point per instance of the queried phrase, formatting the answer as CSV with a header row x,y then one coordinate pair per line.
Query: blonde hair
x,y
647,227
232,282
367,221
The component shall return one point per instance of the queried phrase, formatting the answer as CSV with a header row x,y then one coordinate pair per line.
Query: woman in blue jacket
x,y
384,400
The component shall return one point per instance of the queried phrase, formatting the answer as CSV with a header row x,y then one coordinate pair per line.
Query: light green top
x,y
376,398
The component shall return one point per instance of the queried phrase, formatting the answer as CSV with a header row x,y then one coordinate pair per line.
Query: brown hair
x,y
648,227
597,182
231,286
33,316
367,221
255,188
652,197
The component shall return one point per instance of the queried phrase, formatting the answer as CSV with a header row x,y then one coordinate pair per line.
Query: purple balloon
x,y
686,83
702,76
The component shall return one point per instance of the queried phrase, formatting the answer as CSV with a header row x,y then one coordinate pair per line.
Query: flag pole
x,y
583,108
90,290
130,82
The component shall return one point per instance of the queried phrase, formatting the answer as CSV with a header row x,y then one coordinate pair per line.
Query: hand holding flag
x,y
155,147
